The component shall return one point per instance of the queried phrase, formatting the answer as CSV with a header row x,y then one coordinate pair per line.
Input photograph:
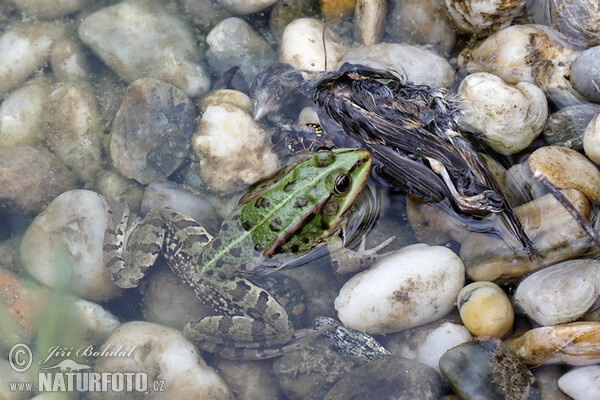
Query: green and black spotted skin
x,y
283,216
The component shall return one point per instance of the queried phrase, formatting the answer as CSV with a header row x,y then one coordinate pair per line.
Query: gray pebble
x,y
566,126
585,74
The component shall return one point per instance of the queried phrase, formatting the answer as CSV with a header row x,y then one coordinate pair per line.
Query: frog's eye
x,y
342,183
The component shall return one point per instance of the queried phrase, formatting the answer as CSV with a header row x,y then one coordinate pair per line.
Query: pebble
x,y
68,238
566,126
591,140
152,130
485,368
68,62
389,377
162,353
577,20
333,9
248,380
302,46
485,309
233,43
30,178
509,54
72,129
421,66
581,383
560,293
507,117
244,7
285,11
575,343
546,379
440,340
585,74
44,10
410,287
24,48
232,148
116,188
9,253
21,113
472,16
369,21
420,23
137,40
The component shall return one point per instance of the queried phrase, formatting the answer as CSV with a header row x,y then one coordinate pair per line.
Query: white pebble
x,y
591,140
441,340
410,287
508,117
243,7
581,383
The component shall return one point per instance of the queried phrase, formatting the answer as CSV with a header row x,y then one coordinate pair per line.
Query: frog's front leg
x,y
127,262
254,320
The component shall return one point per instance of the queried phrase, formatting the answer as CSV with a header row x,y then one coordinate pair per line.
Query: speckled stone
x,y
585,74
152,131
566,126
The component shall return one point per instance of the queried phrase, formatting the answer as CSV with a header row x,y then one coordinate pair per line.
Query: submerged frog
x,y
281,218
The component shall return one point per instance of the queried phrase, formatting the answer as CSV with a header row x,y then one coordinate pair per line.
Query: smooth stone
x,y
509,54
94,322
440,340
472,16
234,43
244,7
554,233
118,189
485,369
369,21
577,20
485,309
24,48
420,23
333,9
507,117
581,383
138,41
558,164
233,149
585,74
591,140
68,238
47,10
72,129
575,343
30,178
421,66
560,293
69,63
248,380
410,287
390,377
163,354
302,46
152,130
204,14
566,127
21,113
285,11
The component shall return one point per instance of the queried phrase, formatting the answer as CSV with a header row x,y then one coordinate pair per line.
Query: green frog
x,y
281,218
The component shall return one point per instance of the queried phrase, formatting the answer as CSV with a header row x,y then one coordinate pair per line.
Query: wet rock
x,y
577,20
138,40
337,8
369,21
232,148
574,344
485,309
440,340
162,353
24,48
152,130
250,380
21,113
9,253
68,237
72,129
585,74
243,7
113,186
30,178
205,14
44,10
581,383
473,16
410,287
566,126
485,368
421,66
526,53
560,293
285,11
233,43
554,232
507,117
68,62
389,377
591,140
421,23
302,46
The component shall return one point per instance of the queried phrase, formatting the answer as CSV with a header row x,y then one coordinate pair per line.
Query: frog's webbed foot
x,y
346,261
